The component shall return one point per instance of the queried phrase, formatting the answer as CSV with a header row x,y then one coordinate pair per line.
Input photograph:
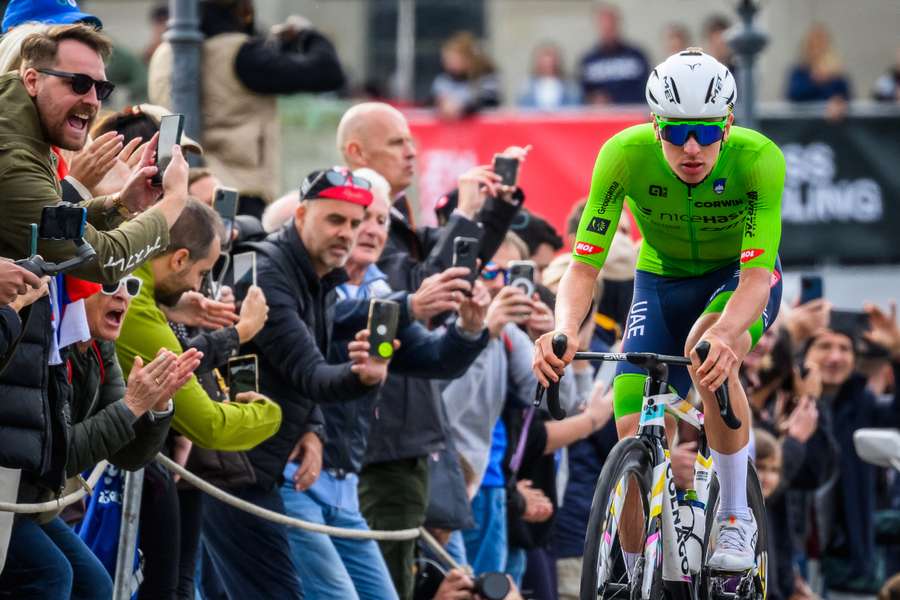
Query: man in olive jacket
x,y
50,104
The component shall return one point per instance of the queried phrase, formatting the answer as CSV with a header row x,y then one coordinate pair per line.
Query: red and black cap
x,y
336,183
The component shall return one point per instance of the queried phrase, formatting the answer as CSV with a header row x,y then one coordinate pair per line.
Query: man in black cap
x,y
298,268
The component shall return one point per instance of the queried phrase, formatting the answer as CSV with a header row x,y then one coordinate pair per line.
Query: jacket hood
x,y
19,121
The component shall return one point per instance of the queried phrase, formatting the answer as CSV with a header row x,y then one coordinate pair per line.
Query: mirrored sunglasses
x,y
678,132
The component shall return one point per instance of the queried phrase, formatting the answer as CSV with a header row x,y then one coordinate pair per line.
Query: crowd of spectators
x,y
127,355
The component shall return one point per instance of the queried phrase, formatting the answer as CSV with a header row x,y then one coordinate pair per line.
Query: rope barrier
x,y
269,515
61,502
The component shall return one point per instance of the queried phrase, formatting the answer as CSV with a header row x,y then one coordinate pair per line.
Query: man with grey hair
x,y
393,487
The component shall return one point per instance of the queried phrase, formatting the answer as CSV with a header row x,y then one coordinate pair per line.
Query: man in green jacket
x,y
192,252
51,103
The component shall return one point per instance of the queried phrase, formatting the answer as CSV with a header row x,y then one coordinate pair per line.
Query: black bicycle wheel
x,y
757,505
603,573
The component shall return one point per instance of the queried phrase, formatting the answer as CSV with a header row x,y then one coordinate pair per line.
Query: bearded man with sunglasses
x,y
707,197
51,103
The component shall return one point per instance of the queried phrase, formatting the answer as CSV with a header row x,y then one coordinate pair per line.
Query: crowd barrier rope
x,y
222,495
87,488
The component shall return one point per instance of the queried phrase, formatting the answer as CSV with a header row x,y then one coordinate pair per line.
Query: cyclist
x,y
707,198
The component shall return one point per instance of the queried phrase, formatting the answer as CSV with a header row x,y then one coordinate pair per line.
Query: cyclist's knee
x,y
627,425
703,323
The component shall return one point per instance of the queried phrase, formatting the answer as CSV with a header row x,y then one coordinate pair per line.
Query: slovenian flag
x,y
70,323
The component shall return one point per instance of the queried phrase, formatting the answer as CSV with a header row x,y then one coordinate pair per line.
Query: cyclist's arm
x,y
759,246
595,234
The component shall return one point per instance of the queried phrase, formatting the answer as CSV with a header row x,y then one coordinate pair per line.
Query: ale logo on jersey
x,y
585,249
719,186
750,254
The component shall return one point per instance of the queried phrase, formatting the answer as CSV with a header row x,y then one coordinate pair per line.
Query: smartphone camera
x,y
521,275
225,202
384,316
507,168
465,254
243,375
170,129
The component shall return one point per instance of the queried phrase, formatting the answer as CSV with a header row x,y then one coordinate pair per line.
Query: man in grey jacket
x,y
126,426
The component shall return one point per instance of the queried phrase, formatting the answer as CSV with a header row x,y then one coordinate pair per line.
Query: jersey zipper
x,y
690,224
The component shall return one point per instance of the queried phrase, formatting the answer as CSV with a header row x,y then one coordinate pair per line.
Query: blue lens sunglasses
x,y
678,132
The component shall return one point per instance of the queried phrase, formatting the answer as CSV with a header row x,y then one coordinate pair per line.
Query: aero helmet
x,y
691,85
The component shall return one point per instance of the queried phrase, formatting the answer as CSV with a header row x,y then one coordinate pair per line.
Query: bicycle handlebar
x,y
640,359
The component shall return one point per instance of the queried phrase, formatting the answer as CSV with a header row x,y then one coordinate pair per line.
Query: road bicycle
x,y
671,550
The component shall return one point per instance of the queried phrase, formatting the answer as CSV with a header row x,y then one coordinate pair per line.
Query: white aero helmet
x,y
691,85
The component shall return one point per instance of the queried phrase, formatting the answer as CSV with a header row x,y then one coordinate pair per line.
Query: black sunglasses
x,y
82,84
132,286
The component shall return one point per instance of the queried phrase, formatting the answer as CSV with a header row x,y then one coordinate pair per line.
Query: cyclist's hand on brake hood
x,y
719,362
547,367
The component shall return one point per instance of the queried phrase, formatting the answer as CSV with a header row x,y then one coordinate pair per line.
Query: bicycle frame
x,y
666,539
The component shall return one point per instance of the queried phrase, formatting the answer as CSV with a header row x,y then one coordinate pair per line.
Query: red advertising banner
x,y
556,175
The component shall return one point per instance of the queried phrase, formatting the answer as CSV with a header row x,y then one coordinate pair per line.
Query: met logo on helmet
x,y
585,249
750,254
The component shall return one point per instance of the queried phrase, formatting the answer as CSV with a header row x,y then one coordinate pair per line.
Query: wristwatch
x,y
159,415
120,207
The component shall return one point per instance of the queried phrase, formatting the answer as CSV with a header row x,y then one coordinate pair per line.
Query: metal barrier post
x,y
186,39
131,510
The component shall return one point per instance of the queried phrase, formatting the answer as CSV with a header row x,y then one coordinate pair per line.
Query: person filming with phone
x,y
50,102
298,268
445,353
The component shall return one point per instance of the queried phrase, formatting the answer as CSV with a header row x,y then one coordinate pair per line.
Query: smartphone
x,y
243,375
62,222
465,254
225,201
851,321
170,129
521,275
383,318
243,271
507,168
810,288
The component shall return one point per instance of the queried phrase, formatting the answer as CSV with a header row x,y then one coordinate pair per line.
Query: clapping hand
x,y
96,159
152,386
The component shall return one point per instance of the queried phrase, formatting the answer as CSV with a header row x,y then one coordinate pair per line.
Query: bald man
x,y
376,135
393,484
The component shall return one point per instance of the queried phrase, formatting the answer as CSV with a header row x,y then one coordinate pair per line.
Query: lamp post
x,y
747,41
186,39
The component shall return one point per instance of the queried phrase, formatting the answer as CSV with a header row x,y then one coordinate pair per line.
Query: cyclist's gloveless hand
x,y
722,358
546,366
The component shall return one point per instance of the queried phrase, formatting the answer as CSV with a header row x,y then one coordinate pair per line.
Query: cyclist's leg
x,y
730,447
647,330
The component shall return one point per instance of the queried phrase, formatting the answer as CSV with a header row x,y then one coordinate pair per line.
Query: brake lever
x,y
722,399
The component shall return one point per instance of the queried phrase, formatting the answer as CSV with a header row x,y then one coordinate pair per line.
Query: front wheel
x,y
753,585
604,574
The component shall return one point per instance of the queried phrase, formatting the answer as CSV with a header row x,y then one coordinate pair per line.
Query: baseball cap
x,y
336,183
55,12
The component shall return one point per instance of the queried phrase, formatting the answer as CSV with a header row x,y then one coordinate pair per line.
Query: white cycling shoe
x,y
735,544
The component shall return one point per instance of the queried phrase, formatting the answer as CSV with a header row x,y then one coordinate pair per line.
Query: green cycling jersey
x,y
688,230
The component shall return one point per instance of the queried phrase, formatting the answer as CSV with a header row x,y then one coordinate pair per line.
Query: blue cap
x,y
53,12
